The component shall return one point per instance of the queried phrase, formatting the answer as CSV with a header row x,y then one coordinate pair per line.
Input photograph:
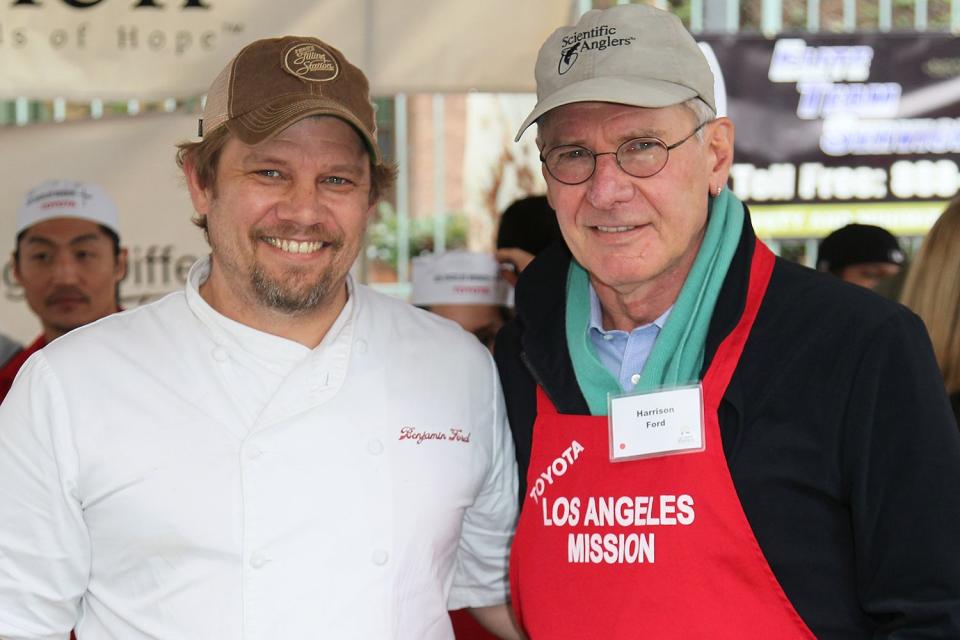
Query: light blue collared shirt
x,y
623,354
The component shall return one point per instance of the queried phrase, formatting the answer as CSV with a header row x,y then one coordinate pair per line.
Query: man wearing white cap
x,y
463,286
68,260
716,443
276,451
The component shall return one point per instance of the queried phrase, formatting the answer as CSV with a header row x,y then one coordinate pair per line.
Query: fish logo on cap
x,y
568,56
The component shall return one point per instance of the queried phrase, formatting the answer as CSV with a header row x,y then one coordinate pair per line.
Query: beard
x,y
293,294
297,290
294,290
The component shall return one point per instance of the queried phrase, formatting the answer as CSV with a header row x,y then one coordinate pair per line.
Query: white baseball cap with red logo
x,y
458,277
68,199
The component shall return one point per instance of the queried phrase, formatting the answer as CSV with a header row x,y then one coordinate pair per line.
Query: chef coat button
x,y
220,354
380,557
258,560
635,378
375,447
361,346
254,452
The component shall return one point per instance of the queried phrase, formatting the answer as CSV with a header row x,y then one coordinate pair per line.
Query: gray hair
x,y
701,113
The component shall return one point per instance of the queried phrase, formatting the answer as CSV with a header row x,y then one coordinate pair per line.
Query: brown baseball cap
x,y
275,82
630,54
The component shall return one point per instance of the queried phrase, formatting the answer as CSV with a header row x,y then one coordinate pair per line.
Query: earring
x,y
719,189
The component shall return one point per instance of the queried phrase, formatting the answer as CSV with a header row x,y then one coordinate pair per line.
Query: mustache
x,y
61,293
312,233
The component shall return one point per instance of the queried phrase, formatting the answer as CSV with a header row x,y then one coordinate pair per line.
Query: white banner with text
x,y
154,49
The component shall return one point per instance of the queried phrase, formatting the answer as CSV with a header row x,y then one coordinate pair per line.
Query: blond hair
x,y
932,291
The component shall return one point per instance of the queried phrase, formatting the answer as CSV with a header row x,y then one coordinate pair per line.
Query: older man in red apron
x,y
716,443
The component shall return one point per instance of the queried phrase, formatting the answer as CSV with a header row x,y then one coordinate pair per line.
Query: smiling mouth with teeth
x,y
294,246
613,229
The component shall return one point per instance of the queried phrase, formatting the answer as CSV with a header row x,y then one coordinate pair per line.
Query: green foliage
x,y
682,9
384,233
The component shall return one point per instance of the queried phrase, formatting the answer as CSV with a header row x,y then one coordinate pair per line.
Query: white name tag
x,y
656,424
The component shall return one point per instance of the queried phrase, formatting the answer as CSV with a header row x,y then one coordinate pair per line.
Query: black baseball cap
x,y
858,244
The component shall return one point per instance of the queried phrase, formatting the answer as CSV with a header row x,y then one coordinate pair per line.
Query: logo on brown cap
x,y
312,62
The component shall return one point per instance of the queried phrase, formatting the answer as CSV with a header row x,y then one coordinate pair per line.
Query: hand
x,y
499,621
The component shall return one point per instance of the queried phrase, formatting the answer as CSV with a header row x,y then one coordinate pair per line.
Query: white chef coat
x,y
169,473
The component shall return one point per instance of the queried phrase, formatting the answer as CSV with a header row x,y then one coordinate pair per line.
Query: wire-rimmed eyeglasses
x,y
638,157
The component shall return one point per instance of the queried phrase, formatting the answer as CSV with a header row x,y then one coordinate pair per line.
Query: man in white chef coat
x,y
276,451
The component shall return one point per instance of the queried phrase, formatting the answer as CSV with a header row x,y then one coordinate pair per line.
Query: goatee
x,y
285,295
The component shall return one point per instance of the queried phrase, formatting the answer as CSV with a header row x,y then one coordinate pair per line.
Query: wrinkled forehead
x,y
581,119
329,127
318,141
314,130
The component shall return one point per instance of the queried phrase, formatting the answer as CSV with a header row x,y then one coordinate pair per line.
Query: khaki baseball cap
x,y
275,82
68,199
628,54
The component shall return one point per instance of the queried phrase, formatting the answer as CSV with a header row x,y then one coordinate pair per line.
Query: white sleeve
x,y
481,576
44,546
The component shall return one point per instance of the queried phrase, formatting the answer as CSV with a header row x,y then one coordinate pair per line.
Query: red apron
x,y
655,548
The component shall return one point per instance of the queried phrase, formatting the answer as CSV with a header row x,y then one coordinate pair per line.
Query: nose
x,y
609,184
66,270
302,205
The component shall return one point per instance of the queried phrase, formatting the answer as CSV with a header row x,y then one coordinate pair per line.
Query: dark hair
x,y
107,231
529,224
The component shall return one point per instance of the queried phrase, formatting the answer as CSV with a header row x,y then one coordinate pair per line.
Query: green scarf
x,y
677,355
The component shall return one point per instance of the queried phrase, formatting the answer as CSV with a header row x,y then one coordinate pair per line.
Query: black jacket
x,y
836,429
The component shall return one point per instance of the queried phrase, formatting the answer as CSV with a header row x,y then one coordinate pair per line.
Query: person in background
x,y
68,259
526,227
469,289
862,254
465,287
275,451
714,442
932,291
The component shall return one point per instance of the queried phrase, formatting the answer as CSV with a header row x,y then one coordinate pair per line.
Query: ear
x,y
371,213
201,197
719,143
16,269
120,269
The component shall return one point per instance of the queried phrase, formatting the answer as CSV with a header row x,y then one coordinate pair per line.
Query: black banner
x,y
842,118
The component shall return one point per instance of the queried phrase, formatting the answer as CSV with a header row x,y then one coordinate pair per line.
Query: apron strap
x,y
728,353
544,406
